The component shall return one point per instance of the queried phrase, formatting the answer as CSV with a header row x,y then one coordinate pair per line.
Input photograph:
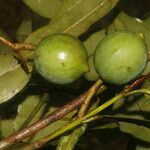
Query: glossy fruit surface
x,y
120,57
61,58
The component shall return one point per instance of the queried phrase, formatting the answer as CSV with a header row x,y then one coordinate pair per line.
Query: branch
x,y
16,47
137,82
79,121
86,103
47,120
126,92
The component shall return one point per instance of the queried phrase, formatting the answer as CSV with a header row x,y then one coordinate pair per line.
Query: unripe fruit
x,y
120,57
61,58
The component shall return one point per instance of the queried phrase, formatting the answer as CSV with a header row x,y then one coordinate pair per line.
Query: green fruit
x,y
61,58
120,57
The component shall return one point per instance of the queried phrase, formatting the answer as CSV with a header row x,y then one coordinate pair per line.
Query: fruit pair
x,y
119,58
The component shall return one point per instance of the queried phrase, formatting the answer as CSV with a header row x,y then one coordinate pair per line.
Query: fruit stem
x,y
16,47
85,105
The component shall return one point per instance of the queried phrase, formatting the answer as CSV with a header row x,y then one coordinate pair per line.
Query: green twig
x,y
47,120
79,121
85,105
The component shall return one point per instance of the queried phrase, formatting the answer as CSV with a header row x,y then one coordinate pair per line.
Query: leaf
x,y
28,105
51,8
93,40
138,104
140,147
76,21
147,23
135,107
24,30
69,141
92,74
138,131
136,25
12,76
106,126
6,127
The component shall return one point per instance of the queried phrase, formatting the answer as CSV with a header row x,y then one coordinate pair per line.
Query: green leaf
x,y
138,131
51,8
135,107
92,74
69,141
12,76
6,127
76,21
140,147
24,30
147,23
29,104
93,40
136,25
106,126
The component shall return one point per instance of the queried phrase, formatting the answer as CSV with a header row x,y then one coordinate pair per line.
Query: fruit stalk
x,y
16,47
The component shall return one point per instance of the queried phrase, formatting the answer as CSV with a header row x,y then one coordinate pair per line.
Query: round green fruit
x,y
61,58
120,57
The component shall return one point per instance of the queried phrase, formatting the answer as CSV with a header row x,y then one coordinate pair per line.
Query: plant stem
x,y
103,106
79,121
16,47
47,120
86,103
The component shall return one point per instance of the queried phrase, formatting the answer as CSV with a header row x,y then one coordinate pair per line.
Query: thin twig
x,y
45,121
85,105
78,121
137,82
16,47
